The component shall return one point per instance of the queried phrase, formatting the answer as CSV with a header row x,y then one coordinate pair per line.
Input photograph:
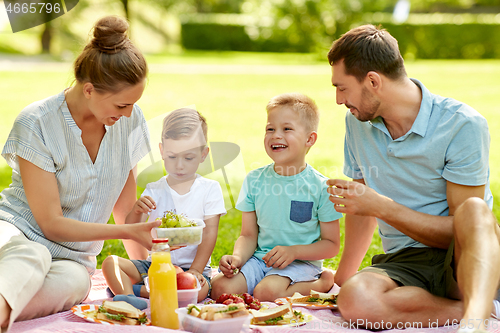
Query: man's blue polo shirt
x,y
449,141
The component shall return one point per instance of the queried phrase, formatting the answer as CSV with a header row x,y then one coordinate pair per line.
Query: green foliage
x,y
213,36
268,26
217,6
447,41
229,230
5,177
296,26
308,28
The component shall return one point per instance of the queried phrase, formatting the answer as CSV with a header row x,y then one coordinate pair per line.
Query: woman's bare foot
x,y
4,312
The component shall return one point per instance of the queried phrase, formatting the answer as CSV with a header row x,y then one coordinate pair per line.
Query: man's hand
x,y
355,198
279,257
229,265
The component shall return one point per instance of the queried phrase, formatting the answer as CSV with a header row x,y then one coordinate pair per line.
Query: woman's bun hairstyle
x,y
110,61
110,35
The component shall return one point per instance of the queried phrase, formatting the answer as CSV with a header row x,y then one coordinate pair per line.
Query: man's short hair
x,y
300,103
368,48
183,123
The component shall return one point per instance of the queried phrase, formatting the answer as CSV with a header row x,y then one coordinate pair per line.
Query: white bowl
x,y
197,325
188,296
182,236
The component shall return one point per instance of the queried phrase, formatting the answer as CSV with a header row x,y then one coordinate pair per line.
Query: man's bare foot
x,y
4,312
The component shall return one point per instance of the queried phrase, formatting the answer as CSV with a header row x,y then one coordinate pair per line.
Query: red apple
x,y
178,270
186,281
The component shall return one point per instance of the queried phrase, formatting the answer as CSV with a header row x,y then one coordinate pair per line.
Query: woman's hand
x,y
141,233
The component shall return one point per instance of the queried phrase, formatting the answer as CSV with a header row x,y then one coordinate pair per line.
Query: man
x,y
419,163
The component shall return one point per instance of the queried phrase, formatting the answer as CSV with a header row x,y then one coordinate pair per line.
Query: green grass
x,y
231,91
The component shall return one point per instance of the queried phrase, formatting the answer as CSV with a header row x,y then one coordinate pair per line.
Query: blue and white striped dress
x,y
46,135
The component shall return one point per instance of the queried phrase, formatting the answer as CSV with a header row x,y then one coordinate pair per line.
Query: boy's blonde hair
x,y
183,123
300,103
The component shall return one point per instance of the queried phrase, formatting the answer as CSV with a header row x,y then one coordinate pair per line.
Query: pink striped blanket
x,y
324,320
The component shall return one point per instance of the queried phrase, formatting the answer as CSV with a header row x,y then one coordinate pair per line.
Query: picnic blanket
x,y
324,320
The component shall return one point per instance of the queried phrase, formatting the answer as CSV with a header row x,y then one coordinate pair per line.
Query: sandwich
x,y
213,313
120,312
314,298
280,315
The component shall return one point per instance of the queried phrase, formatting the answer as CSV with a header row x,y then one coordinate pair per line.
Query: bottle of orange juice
x,y
163,286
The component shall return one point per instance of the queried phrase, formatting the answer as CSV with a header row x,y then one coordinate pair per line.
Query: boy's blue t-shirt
x,y
288,208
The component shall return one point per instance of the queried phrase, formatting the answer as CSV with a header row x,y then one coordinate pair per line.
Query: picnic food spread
x,y
120,312
245,298
212,313
172,220
180,230
186,280
314,298
280,315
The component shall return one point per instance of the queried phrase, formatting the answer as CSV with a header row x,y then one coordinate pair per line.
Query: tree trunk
x,y
125,6
46,37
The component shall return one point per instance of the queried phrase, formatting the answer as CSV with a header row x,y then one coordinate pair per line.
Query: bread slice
x,y
124,308
321,295
298,298
263,315
125,321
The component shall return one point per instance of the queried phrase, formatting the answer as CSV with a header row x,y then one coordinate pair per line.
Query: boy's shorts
x,y
428,268
254,270
143,267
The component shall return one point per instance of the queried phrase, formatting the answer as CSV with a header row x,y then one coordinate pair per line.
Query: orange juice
x,y
163,291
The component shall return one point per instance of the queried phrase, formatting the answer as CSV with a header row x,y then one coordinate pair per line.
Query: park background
x,y
229,57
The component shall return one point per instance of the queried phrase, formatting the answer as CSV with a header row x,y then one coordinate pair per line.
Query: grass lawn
x,y
231,91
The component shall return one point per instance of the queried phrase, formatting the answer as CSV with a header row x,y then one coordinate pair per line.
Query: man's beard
x,y
368,108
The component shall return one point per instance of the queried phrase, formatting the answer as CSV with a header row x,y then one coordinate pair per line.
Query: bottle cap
x,y
160,240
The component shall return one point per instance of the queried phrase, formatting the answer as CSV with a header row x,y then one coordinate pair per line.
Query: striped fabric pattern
x,y
45,134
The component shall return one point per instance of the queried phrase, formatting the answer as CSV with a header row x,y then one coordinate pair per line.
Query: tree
x,y
49,28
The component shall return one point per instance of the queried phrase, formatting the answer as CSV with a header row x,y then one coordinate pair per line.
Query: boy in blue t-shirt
x,y
288,223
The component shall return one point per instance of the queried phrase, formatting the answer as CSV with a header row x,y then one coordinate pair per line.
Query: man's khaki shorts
x,y
428,268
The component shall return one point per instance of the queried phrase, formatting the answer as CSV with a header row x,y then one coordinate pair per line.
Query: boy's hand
x,y
279,257
144,205
198,276
229,265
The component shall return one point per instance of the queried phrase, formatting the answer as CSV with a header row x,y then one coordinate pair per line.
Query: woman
x,y
73,158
